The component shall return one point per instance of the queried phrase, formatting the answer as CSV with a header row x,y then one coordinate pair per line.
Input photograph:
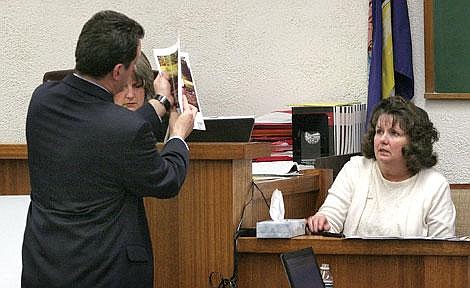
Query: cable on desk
x,y
262,194
216,279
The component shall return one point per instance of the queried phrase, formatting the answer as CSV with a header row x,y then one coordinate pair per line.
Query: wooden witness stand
x,y
361,263
192,234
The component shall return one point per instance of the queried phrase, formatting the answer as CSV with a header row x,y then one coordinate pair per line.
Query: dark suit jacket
x,y
90,164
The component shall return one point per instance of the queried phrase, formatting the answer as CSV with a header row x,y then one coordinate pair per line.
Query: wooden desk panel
x,y
192,233
200,222
299,194
14,173
361,263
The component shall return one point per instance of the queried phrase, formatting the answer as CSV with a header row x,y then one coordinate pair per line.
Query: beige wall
x,y
248,57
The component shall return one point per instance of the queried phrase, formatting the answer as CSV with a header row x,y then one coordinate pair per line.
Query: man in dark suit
x,y
91,162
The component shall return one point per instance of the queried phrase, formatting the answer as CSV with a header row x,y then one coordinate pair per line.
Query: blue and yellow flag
x,y
390,54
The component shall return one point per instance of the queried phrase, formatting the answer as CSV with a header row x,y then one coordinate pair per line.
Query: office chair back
x,y
335,162
56,75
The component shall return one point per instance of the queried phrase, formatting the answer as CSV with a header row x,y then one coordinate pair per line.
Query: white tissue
x,y
276,209
278,227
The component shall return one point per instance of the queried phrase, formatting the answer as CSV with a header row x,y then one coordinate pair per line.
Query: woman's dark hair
x,y
107,39
415,122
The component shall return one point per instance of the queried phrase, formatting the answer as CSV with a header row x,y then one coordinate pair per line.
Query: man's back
x,y
91,162
88,224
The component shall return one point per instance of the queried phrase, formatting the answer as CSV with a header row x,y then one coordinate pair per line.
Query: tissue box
x,y
286,228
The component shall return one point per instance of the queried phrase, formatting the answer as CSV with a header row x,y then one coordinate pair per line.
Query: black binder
x,y
312,133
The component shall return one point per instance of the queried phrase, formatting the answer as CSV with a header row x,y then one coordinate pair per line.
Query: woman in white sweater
x,y
392,190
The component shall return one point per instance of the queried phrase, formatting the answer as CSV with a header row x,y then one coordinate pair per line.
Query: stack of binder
x,y
275,128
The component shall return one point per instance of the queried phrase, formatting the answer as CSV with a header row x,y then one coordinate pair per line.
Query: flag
x,y
390,53
402,60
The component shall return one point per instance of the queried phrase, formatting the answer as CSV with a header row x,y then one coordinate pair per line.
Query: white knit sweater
x,y
359,204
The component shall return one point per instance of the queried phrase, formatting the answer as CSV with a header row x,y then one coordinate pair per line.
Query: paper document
x,y
277,168
450,238
176,65
276,117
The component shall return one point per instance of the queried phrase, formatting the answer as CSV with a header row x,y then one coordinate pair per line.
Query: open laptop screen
x,y
302,269
224,129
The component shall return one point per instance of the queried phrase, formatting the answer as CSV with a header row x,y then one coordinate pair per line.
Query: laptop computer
x,y
224,129
302,269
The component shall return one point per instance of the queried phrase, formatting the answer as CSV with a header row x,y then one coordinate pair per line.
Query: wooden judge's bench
x,y
192,234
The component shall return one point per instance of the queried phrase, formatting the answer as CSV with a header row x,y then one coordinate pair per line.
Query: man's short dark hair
x,y
107,39
415,122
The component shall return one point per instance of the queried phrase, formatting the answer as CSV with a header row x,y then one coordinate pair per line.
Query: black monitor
x,y
302,269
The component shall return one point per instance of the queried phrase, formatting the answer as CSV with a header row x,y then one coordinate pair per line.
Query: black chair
x,y
56,75
335,162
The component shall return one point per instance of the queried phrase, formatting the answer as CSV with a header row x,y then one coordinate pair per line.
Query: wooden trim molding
x,y
429,72
13,151
460,186
428,47
216,151
198,151
446,96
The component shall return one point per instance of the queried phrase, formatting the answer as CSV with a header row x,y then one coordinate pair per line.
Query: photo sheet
x,y
176,65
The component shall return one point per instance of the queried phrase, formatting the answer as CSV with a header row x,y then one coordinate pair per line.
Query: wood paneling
x,y
14,173
299,193
361,263
460,186
13,151
192,234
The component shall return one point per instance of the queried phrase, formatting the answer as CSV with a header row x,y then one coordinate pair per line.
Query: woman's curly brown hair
x,y
415,122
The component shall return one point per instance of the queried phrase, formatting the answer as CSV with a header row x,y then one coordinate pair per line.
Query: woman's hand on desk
x,y
318,223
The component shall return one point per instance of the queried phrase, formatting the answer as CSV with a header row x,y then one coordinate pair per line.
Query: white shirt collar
x,y
90,81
